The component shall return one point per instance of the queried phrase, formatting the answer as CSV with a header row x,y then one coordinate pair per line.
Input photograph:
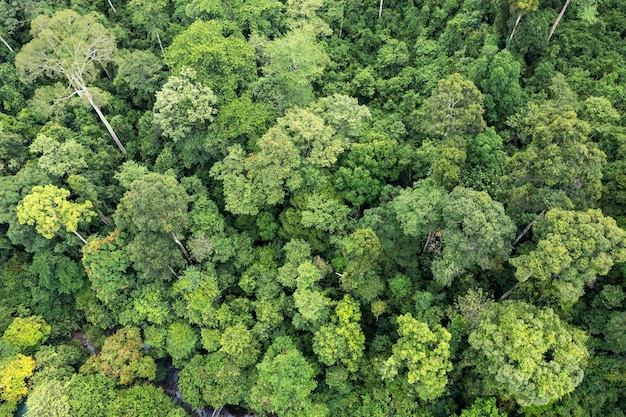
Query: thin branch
x,y
527,228
506,294
112,7
519,17
558,19
6,44
380,9
180,245
102,118
430,236
82,239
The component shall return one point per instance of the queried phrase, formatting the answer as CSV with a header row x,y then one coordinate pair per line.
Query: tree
x,y
27,333
560,167
425,353
181,341
122,358
154,203
68,45
285,382
225,64
293,63
213,380
14,370
183,105
573,248
475,232
63,157
454,108
144,400
527,353
90,395
48,399
341,342
48,210
152,15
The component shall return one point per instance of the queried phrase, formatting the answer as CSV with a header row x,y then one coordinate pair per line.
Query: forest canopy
x,y
312,208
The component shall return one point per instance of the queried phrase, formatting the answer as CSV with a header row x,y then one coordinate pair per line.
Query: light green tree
x,y
183,106
71,47
285,383
14,371
573,248
425,353
122,357
27,333
342,341
48,209
527,353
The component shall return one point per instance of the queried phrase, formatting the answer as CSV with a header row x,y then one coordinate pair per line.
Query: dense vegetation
x,y
313,207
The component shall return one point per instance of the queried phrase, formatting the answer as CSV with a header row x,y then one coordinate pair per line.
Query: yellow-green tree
x,y
48,209
527,354
424,355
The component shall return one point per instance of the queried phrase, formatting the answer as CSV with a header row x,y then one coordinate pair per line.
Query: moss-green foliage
x,y
326,207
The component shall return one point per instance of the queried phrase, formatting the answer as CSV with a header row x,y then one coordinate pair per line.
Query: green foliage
x,y
27,333
559,168
68,46
48,399
527,353
342,341
285,382
454,108
483,407
573,248
48,209
122,358
425,353
311,189
224,62
183,107
14,370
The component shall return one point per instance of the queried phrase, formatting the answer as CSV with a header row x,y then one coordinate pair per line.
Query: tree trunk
x,y
380,9
527,228
82,239
515,27
160,44
506,294
112,7
7,45
558,19
104,120
180,245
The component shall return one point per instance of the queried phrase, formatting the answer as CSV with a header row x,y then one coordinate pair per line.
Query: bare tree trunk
x,y
506,294
515,27
160,44
180,245
558,19
527,228
80,237
104,120
112,7
380,9
7,45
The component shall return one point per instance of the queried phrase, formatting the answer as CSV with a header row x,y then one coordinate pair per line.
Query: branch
x,y
112,7
527,228
6,44
558,19
506,294
515,27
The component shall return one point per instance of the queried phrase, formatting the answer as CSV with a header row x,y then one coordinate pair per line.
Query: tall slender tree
x,y
71,47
